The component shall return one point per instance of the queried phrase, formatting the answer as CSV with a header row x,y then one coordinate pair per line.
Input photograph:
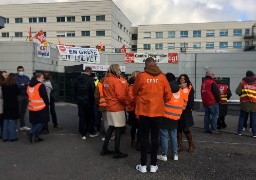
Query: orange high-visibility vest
x,y
102,101
186,92
36,103
248,92
173,108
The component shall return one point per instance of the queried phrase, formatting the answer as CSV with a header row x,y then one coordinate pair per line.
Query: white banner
x,y
43,51
96,67
84,55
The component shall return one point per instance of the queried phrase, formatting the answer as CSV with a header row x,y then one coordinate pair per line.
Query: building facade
x,y
82,23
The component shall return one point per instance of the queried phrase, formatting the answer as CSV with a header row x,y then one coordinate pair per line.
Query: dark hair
x,y
37,75
47,76
88,70
149,60
170,77
2,79
10,80
186,79
249,73
20,67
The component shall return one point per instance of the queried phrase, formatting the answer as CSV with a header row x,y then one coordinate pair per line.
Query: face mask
x,y
95,78
21,73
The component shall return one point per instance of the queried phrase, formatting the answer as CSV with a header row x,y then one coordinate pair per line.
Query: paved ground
x,y
63,155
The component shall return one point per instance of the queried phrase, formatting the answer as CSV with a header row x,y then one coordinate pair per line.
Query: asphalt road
x,y
64,156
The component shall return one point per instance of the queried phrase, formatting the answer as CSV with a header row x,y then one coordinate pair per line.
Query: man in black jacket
x,y
84,95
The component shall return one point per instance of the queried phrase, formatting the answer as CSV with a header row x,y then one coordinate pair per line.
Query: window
x,y
197,33
159,46
146,46
120,39
209,45
147,35
60,19
159,34
100,33
171,34
85,33
247,31
6,20
246,44
60,33
184,45
223,45
134,48
18,34
183,33
170,45
134,36
237,32
18,20
86,18
5,34
44,34
71,34
71,19
32,20
237,44
100,18
120,25
210,33
196,45
224,32
42,19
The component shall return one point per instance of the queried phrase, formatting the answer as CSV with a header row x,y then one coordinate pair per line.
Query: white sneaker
x,y
175,157
162,157
25,128
239,134
254,136
142,169
103,139
83,138
153,169
94,134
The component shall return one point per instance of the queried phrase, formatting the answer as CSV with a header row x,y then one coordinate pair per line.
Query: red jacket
x,y
206,92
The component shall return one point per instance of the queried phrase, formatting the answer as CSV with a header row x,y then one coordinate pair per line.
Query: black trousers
x,y
86,118
149,125
53,112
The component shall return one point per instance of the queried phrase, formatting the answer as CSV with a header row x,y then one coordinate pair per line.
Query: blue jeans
x,y
36,128
9,129
242,117
211,114
165,134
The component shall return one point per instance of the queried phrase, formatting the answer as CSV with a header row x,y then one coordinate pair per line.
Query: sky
x,y
142,12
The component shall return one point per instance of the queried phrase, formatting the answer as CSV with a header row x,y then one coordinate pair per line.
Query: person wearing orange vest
x,y
169,122
186,119
38,106
151,90
247,92
225,94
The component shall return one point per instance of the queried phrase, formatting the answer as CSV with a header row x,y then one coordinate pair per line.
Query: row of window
x,y
208,45
58,19
58,34
196,33
123,28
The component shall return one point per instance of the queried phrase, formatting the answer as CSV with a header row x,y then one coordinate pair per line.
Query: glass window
x,y
210,33
237,32
18,34
42,19
60,19
184,45
237,44
224,32
134,48
247,31
6,20
159,46
171,45
18,20
246,44
100,33
183,33
209,45
71,18
100,18
196,45
223,45
85,33
60,33
146,46
147,35
120,39
197,33
171,34
5,34
159,34
71,34
32,20
134,36
86,18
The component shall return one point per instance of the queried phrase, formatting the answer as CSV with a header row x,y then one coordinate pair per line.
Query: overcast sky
x,y
177,11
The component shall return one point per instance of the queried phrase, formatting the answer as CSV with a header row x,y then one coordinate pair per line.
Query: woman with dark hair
x,y
186,119
11,108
